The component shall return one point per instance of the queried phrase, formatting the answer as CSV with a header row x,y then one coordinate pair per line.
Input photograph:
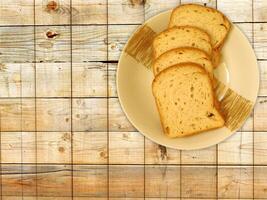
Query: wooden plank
x,y
126,148
260,10
260,148
16,12
54,180
53,114
17,80
53,147
263,78
89,79
248,124
52,12
17,115
89,114
29,180
90,181
89,12
203,156
90,147
209,3
118,35
158,154
154,7
53,44
198,182
126,181
238,149
117,119
242,7
53,80
133,10
162,181
89,43
260,116
260,41
16,44
112,88
260,182
235,182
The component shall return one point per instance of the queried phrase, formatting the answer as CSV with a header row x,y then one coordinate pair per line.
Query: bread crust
x,y
177,49
215,102
180,27
225,19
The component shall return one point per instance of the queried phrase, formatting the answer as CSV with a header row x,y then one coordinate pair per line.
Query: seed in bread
x,y
208,19
183,36
180,55
185,100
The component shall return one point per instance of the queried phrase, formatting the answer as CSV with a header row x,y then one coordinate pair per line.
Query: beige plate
x,y
238,70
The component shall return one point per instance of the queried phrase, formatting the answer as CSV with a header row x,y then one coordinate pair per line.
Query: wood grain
x,y
53,114
154,7
53,44
89,114
89,12
162,181
158,154
16,12
134,10
89,43
53,80
263,78
207,156
260,182
238,149
89,79
242,7
90,147
90,181
260,148
17,114
126,181
52,12
198,182
260,46
112,88
17,80
209,3
117,119
260,10
235,182
118,35
53,147
54,180
260,115
16,44
126,148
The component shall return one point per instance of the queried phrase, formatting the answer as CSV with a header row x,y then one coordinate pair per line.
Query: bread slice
x,y
185,100
180,55
183,36
208,19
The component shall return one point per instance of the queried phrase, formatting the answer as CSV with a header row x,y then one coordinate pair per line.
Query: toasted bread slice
x,y
185,100
181,55
183,36
208,19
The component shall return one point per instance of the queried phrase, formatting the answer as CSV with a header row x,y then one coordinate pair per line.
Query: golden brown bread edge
x,y
215,101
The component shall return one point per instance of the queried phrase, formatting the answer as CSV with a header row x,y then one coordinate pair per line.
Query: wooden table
x,y
63,133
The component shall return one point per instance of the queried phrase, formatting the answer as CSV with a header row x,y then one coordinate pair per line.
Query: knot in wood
x,y
51,34
138,2
52,6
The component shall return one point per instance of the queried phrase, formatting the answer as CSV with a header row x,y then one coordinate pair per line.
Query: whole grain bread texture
x,y
208,19
181,55
182,36
185,100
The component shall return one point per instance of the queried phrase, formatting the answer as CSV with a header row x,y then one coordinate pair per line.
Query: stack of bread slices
x,y
185,56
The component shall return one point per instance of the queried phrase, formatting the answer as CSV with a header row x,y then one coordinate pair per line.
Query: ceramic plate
x,y
238,70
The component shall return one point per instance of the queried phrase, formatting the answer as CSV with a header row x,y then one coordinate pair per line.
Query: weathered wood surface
x,y
63,133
